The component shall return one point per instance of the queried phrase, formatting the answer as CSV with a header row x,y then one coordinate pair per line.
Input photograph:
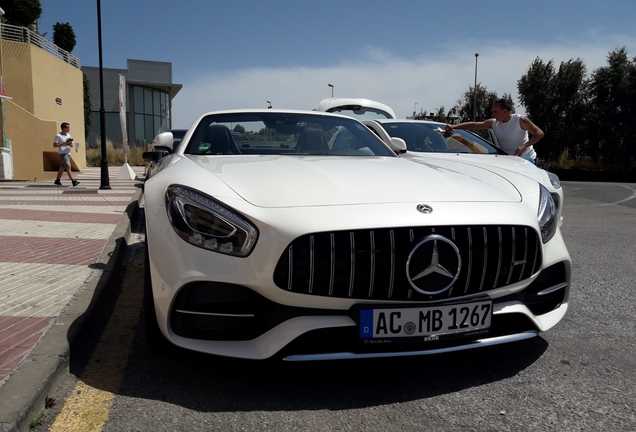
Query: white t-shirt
x,y
510,136
61,139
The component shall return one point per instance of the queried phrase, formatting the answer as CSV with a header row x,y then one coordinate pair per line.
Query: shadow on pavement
x,y
206,383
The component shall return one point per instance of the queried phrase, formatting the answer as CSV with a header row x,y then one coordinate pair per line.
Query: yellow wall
x,y
34,78
16,65
29,137
54,78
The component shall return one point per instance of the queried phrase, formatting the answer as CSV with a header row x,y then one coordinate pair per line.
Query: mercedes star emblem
x,y
424,208
433,265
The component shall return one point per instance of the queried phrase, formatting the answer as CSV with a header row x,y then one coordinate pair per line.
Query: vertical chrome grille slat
x,y
290,273
512,255
470,259
483,272
411,239
525,252
372,264
312,241
312,265
392,270
537,245
332,269
352,272
498,259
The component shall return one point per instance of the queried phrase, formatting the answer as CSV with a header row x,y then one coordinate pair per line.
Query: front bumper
x,y
252,327
175,264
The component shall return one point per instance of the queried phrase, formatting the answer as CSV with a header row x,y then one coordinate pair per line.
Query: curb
x,y
23,395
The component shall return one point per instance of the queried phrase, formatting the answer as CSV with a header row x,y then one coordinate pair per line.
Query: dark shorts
x,y
65,160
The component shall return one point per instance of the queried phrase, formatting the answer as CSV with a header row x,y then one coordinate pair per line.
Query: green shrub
x,y
116,156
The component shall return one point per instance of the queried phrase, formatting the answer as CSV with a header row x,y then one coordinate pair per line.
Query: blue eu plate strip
x,y
366,323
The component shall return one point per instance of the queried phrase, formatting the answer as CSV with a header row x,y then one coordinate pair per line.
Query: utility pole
x,y
104,181
475,91
332,87
415,104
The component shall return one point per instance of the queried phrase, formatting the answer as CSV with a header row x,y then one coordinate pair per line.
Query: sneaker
x,y
75,182
58,182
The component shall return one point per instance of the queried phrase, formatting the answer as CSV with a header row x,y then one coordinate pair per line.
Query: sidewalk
x,y
49,237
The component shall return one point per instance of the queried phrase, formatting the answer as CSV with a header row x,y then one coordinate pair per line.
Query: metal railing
x,y
22,34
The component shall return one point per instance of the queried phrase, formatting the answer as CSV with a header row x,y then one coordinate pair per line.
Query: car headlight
x,y
547,214
554,179
204,222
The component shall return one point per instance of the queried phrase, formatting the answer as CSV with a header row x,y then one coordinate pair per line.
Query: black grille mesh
x,y
370,264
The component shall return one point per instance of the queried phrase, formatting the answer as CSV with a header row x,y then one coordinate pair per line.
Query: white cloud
x,y
399,82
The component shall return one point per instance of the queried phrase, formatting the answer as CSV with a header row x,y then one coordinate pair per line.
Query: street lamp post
x,y
415,104
332,87
475,91
104,181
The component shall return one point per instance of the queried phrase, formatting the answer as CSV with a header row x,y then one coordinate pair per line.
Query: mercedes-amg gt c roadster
x,y
302,235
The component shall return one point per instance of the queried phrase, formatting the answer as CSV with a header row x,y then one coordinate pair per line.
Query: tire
x,y
154,338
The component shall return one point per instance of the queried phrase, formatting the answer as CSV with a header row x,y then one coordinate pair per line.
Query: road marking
x,y
88,406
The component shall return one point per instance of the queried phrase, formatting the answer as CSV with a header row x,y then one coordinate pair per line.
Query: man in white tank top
x,y
510,129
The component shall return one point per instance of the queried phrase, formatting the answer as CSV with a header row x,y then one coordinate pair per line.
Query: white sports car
x,y
303,235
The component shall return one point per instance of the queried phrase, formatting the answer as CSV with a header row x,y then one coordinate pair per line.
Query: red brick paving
x,y
18,336
41,215
61,201
50,250
71,193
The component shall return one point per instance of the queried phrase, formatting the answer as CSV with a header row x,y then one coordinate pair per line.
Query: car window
x,y
284,133
360,113
430,138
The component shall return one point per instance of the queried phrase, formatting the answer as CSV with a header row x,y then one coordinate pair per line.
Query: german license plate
x,y
424,321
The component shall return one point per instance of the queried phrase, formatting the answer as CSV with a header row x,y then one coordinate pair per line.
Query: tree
x,y
485,100
556,100
64,36
21,12
239,128
87,106
612,91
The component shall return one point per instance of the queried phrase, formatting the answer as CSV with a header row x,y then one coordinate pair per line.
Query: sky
x,y
238,54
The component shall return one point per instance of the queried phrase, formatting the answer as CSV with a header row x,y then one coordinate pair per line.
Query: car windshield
x,y
430,138
283,134
360,112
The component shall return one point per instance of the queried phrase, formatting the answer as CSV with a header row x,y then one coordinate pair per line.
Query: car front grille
x,y
371,264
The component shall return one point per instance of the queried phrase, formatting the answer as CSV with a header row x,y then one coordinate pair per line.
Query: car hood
x,y
298,181
503,164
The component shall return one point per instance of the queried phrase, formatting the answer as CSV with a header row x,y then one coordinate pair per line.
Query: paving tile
x,y
50,250
59,216
30,228
106,209
36,289
66,202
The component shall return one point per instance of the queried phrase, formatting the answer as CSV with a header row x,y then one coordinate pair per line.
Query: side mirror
x,y
398,145
164,141
154,156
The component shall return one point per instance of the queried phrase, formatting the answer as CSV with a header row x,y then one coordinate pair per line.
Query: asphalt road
x,y
579,376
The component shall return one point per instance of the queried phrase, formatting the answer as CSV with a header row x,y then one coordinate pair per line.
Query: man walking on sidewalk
x,y
510,129
64,143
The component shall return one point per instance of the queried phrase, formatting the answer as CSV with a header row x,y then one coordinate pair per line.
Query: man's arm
x,y
536,134
472,126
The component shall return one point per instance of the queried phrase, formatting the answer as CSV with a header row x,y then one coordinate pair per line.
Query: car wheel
x,y
154,338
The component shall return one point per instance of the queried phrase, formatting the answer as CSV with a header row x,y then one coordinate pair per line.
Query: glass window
x,y
139,128
139,99
430,137
156,102
360,113
284,133
147,101
149,132
164,104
